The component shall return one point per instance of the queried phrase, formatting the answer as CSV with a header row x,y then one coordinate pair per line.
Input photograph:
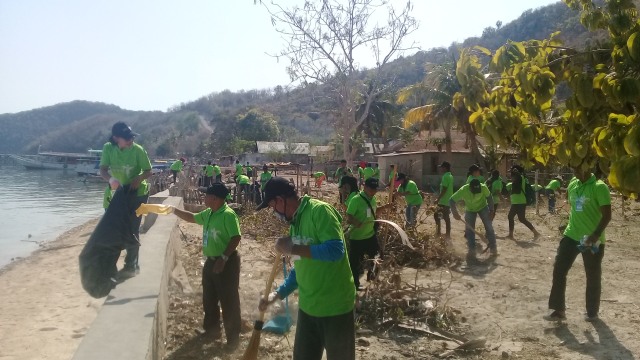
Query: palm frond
x,y
421,114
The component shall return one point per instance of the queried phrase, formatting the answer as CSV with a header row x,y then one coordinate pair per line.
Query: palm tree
x,y
437,90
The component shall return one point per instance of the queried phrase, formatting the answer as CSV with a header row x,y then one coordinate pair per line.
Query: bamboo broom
x,y
251,353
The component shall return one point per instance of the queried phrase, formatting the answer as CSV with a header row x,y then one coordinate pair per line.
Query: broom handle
x,y
272,276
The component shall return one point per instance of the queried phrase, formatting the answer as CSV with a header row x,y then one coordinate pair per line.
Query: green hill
x,y
185,129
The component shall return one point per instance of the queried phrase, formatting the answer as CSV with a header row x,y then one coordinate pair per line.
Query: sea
x,y
36,206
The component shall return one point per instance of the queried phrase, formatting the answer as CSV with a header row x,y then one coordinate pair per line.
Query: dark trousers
x,y
221,291
567,253
208,180
174,173
219,178
357,250
551,196
443,214
520,210
131,259
335,334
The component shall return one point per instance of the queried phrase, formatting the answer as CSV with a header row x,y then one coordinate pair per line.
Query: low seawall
x,y
132,322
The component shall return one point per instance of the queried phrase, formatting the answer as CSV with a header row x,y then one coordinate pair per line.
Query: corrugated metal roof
x,y
265,147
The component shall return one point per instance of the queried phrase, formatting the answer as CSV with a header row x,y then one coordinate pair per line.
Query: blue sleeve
x,y
330,250
290,285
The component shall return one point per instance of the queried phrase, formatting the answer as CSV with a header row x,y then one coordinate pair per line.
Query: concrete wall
x,y
132,323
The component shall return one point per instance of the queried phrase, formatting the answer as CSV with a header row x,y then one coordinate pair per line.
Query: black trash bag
x,y
113,234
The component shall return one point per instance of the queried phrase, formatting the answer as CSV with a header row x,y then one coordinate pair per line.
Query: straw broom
x,y
251,353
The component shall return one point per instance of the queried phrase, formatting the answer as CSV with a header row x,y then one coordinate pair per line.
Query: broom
x,y
251,353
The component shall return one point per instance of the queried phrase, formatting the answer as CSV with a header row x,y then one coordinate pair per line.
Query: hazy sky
x,y
153,54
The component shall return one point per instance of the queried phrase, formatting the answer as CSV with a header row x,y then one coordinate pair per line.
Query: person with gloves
x,y
321,273
221,271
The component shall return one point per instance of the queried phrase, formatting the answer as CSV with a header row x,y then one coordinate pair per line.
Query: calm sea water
x,y
39,205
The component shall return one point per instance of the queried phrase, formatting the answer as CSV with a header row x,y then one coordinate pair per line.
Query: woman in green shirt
x,y
518,201
412,196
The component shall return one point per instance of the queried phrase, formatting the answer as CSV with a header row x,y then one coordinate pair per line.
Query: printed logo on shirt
x,y
300,240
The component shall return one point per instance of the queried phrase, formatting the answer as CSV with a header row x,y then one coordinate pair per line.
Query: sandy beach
x,y
44,312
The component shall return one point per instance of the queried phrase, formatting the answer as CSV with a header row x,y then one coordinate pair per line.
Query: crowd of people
x,y
329,262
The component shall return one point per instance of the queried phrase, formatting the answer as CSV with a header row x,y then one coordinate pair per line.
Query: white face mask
x,y
280,216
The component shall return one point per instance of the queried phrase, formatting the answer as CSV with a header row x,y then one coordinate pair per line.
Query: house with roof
x,y
268,151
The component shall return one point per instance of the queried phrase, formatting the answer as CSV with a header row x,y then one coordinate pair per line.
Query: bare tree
x,y
326,37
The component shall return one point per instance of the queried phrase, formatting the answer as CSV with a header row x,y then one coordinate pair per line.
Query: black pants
x,y
335,334
133,250
174,173
357,250
221,291
520,210
443,213
219,178
567,253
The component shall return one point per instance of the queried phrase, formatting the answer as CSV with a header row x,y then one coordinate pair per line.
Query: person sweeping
x,y
321,273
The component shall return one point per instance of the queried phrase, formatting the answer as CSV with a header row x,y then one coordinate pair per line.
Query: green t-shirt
x,y
346,202
520,198
368,172
264,177
126,164
496,190
472,202
209,170
243,180
480,178
249,169
585,200
318,174
238,169
359,209
342,171
216,170
413,197
447,181
376,173
218,229
553,185
325,288
176,166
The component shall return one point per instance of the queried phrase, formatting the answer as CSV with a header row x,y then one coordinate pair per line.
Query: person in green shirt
x,y
589,216
264,178
475,172
208,173
124,162
477,202
550,190
217,173
320,177
348,189
494,183
238,170
249,170
368,172
446,190
244,183
176,167
221,272
409,190
360,176
376,172
343,170
321,273
518,201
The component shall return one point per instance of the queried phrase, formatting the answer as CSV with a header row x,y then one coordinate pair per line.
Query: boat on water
x,y
49,160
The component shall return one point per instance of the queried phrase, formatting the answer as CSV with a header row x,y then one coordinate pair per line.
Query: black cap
x,y
446,165
276,186
371,183
401,176
217,189
473,168
475,186
121,129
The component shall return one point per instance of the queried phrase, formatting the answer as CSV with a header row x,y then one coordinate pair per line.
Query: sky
x,y
155,54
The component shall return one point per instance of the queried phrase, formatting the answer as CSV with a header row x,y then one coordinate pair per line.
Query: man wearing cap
x,y
475,172
477,202
321,273
409,190
551,188
446,190
176,167
125,162
221,271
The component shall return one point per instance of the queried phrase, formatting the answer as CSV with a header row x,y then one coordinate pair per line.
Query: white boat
x,y
48,160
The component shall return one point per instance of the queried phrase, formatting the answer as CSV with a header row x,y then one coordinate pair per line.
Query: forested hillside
x,y
299,113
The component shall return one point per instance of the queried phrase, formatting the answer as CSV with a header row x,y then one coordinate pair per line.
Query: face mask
x,y
280,216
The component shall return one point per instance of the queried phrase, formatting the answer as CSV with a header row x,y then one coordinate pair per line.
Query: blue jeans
x,y
410,213
470,219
